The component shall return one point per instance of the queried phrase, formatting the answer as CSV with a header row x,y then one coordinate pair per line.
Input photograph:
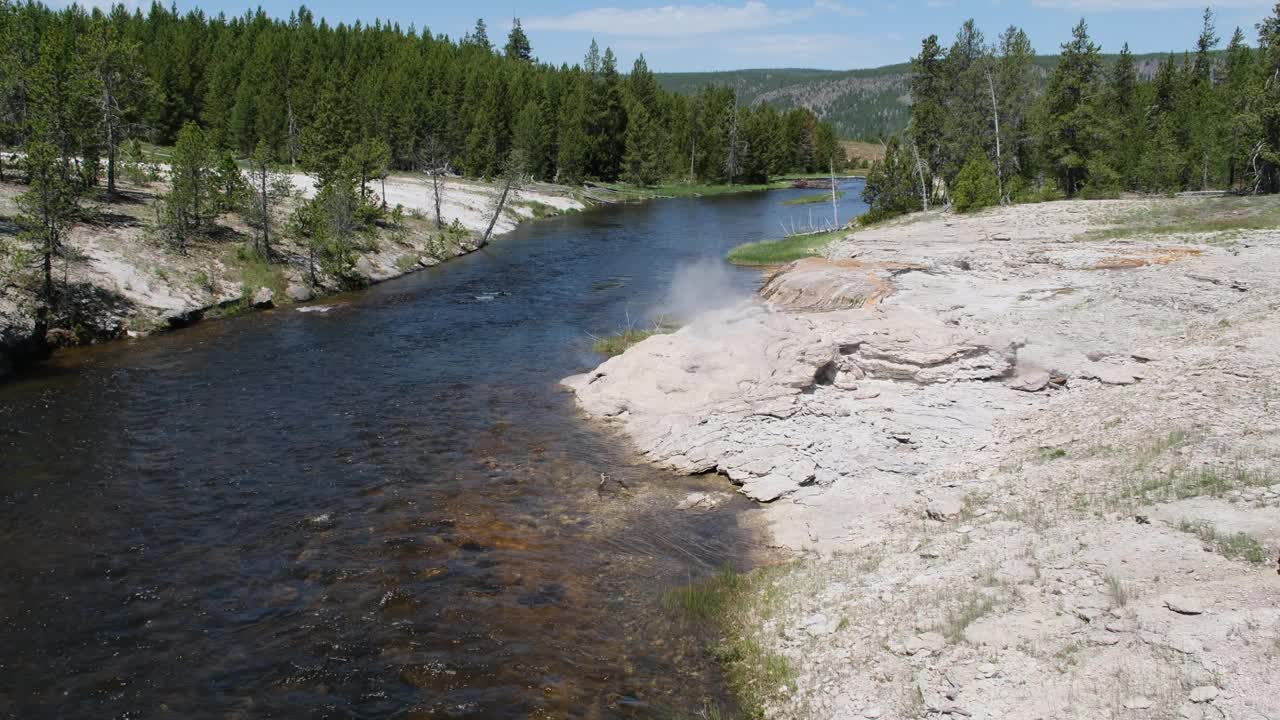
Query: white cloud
x,y
836,6
1106,5
671,20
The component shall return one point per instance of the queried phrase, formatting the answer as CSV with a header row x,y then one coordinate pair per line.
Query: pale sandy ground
x,y
1025,472
467,201
129,282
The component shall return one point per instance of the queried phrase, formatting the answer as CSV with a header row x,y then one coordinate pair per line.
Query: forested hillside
x,y
80,91
306,88
982,131
868,104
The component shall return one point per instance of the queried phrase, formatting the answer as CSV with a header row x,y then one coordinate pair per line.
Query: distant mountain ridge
x,y
861,104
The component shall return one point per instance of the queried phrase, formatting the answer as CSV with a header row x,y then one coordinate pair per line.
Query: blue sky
x,y
837,34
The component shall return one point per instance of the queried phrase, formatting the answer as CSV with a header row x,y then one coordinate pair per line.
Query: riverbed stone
x,y
264,298
298,292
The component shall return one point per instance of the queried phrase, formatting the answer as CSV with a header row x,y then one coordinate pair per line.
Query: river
x,y
383,508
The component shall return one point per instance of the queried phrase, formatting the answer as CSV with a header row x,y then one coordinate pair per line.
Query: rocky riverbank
x,y
1025,460
122,281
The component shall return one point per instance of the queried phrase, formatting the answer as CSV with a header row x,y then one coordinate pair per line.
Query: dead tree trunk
x,y
512,173
924,188
995,114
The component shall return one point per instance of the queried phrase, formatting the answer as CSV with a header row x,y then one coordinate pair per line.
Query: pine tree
x,y
189,204
1235,132
369,160
479,37
268,188
228,189
123,84
1125,131
642,86
530,137
1016,85
610,122
573,158
518,47
891,187
968,128
1070,127
642,163
63,105
928,110
1203,108
47,210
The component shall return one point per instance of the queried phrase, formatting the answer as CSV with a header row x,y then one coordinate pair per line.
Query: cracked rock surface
x,y
1030,470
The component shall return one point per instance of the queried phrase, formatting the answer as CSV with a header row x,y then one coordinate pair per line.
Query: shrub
x,y
1041,191
1103,182
891,188
976,186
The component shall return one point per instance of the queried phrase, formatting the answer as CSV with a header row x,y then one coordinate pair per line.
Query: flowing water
x,y
383,508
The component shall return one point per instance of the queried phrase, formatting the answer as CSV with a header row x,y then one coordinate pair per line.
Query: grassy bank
x,y
822,197
675,190
1211,215
620,342
779,252
734,604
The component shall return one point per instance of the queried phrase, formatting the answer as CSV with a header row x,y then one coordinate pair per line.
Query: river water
x,y
385,509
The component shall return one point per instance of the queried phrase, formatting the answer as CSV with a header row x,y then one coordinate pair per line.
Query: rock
x,y
299,293
1112,375
944,507
872,713
364,267
1032,381
930,642
988,670
264,298
59,337
1138,703
1182,605
1204,694
817,625
821,284
322,521
702,501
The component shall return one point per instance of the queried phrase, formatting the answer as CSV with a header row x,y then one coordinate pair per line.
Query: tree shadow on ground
x,y
88,313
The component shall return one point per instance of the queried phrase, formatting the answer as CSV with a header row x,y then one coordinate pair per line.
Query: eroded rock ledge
x,y
879,361
1031,471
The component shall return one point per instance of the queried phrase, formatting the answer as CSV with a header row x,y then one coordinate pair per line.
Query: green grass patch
x,y
1236,547
733,603
256,272
407,262
1180,217
814,199
620,342
779,252
541,210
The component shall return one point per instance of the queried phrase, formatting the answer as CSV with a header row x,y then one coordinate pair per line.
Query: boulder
x,y
264,298
1183,605
944,508
299,293
1031,381
1204,694
930,642
364,267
